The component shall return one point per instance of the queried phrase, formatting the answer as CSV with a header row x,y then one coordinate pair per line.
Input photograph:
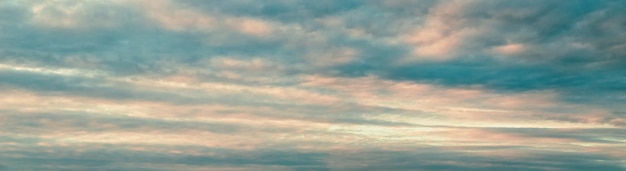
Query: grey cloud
x,y
83,86
132,45
434,159
548,29
98,87
108,157
596,86
595,135
285,11
69,121
94,156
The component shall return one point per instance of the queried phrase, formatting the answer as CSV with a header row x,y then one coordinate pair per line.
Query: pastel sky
x,y
425,85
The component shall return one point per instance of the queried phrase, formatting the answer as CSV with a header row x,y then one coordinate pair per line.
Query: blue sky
x,y
312,85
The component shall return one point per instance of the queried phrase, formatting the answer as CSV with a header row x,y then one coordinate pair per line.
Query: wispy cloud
x,y
312,85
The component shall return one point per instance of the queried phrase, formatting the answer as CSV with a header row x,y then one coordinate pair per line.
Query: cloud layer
x,y
312,85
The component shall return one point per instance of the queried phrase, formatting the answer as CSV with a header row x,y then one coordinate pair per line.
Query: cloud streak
x,y
303,85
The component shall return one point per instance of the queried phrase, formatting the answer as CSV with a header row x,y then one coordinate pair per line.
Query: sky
x,y
424,85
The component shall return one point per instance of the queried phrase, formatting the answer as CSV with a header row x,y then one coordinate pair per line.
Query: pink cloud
x,y
443,33
509,49
176,17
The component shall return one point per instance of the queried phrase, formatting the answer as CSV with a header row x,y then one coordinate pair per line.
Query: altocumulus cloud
x,y
312,85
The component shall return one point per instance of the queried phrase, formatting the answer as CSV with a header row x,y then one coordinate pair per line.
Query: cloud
x,y
441,35
431,159
509,49
506,46
312,85
76,14
159,158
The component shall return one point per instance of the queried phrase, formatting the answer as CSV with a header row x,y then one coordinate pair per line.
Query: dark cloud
x,y
108,157
79,86
432,159
548,29
507,76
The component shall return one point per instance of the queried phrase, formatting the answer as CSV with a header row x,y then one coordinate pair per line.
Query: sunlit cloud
x,y
312,85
